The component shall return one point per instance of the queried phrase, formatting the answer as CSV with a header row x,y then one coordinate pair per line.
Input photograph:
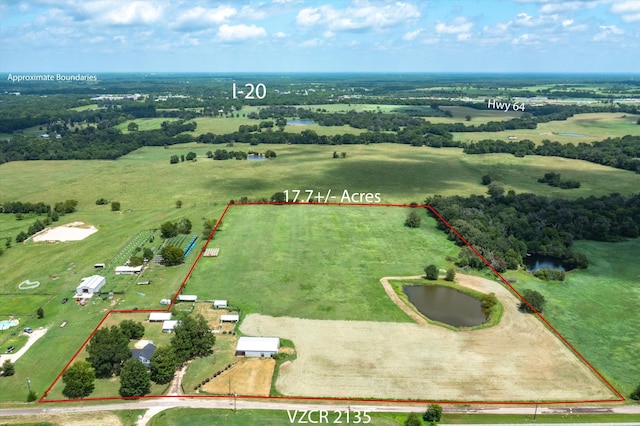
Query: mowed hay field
x,y
590,127
519,359
316,261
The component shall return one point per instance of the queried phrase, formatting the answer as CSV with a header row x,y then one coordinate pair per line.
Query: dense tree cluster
x,y
553,179
108,349
535,301
505,228
78,380
134,379
192,338
171,229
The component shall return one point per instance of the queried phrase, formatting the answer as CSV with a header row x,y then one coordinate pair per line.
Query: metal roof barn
x,y
159,316
257,347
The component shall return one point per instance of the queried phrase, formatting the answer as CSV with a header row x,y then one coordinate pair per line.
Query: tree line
x,y
505,228
621,153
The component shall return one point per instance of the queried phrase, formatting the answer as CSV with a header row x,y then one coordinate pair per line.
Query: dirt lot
x,y
251,376
213,316
519,359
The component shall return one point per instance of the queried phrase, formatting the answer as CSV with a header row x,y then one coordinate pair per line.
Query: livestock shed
x,y
229,318
168,326
218,304
187,298
257,347
159,316
128,270
90,285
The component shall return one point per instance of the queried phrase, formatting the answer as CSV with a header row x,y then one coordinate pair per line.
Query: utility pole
x,y
29,384
536,410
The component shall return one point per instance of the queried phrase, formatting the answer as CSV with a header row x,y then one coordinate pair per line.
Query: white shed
x,y
257,347
230,318
168,326
90,285
219,304
187,298
128,270
159,316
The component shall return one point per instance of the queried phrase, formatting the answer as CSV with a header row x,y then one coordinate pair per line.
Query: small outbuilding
x,y
219,304
90,285
229,318
168,326
257,347
187,298
128,270
159,316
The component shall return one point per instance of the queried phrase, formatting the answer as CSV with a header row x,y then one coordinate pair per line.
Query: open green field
x,y
327,260
597,309
145,123
591,127
85,107
192,416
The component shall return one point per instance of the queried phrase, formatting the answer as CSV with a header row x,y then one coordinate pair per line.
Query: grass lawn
x,y
202,368
145,123
85,107
591,127
596,309
328,260
191,416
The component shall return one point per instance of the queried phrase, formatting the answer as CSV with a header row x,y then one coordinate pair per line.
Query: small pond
x,y
539,261
446,305
253,157
300,122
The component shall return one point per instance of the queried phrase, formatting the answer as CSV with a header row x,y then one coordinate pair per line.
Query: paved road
x,y
228,403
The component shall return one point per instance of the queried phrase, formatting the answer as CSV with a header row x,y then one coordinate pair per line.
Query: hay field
x,y
251,376
519,359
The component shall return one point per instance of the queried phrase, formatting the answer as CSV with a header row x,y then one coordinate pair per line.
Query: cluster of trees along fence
x,y
504,228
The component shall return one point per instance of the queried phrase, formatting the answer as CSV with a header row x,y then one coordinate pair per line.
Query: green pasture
x,y
192,416
597,309
85,107
592,127
145,123
478,116
224,125
327,260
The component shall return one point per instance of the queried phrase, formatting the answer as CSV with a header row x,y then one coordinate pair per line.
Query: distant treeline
x,y
505,228
621,153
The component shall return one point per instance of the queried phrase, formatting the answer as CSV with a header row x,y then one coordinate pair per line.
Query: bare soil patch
x,y
74,231
250,376
213,316
518,359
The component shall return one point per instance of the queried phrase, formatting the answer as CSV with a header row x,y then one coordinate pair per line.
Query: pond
x,y
300,122
570,134
539,261
254,157
446,305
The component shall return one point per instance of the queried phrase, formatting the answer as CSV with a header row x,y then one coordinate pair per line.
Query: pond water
x,y
539,261
446,305
570,134
8,324
300,122
255,157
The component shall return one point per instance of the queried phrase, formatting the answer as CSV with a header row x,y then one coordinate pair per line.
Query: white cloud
x,y
458,26
360,17
240,32
567,22
629,11
200,17
567,6
411,35
463,36
279,34
120,13
606,31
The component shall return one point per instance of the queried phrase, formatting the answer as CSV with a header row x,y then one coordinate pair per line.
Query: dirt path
x,y
394,297
176,383
33,338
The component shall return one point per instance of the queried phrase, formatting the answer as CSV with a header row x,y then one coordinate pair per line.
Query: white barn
x,y
257,347
218,304
159,316
230,318
168,326
187,298
90,285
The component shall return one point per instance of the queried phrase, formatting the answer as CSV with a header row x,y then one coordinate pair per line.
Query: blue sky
x,y
319,36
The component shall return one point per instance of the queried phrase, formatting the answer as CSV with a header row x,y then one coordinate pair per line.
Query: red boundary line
x,y
620,398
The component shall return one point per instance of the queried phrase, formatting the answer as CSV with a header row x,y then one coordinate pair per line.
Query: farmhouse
x,y
144,354
257,347
187,298
159,316
218,304
229,318
128,270
89,285
168,326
